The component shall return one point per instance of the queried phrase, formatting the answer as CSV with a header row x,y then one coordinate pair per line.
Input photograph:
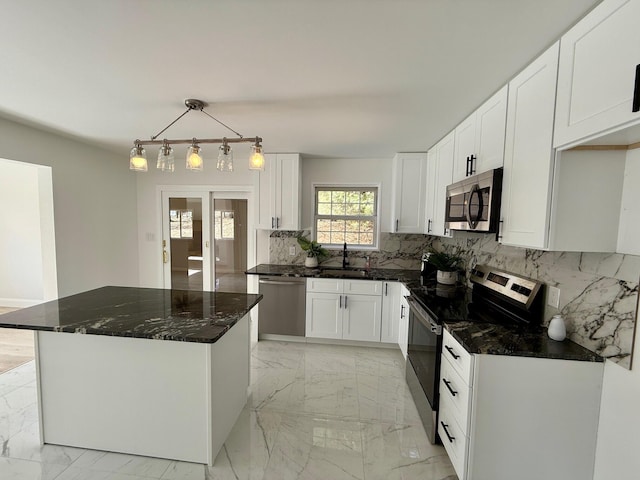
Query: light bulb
x,y
194,158
138,159
256,159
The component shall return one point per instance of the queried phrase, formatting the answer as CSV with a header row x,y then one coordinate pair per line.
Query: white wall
x,y
347,171
27,237
94,202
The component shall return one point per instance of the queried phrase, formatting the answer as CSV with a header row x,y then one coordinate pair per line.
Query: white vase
x,y
557,330
447,278
311,262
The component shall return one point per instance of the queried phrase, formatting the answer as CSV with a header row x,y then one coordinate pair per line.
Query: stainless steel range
x,y
497,297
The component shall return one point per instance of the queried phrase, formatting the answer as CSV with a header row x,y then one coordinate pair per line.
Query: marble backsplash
x,y
599,291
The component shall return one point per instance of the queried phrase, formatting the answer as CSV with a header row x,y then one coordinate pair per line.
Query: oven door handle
x,y
426,320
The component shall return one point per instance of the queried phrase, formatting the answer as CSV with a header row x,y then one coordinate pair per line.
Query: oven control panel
x,y
521,289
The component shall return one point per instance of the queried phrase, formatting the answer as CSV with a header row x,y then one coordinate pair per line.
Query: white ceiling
x,y
328,78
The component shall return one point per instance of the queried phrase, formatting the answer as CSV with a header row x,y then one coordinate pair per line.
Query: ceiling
x,y
327,78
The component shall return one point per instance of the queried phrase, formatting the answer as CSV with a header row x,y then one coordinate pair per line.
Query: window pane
x,y
337,225
366,226
338,209
366,239
323,225
352,238
337,196
366,209
324,209
353,197
352,209
323,237
186,224
337,237
353,225
324,196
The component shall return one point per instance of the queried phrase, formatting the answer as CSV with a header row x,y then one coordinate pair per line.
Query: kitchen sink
x,y
344,272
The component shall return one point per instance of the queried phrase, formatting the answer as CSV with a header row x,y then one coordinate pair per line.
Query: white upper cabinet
x,y
479,140
409,181
439,176
599,73
278,198
528,157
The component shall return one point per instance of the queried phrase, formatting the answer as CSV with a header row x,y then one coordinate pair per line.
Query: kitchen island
x,y
160,373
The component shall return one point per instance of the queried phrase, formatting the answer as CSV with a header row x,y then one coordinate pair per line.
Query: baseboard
x,y
325,341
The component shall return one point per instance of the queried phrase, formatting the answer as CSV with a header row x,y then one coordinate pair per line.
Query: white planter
x,y
311,262
557,330
447,278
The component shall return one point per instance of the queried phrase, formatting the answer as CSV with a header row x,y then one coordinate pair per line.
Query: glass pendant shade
x,y
225,158
194,158
256,159
138,159
166,159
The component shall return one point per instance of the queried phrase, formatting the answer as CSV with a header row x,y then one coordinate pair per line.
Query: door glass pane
x,y
230,245
185,226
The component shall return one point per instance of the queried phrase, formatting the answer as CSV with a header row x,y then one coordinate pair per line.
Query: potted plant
x,y
447,265
314,250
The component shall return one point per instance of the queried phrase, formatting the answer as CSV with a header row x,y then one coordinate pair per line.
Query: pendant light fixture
x,y
225,157
138,158
194,159
166,158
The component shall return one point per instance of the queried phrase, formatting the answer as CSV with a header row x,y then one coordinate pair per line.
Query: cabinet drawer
x,y
455,394
453,439
324,285
458,357
362,287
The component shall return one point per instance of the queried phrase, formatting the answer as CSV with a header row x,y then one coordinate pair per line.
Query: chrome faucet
x,y
345,259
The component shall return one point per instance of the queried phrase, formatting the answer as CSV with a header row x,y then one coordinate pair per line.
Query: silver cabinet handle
x,y
345,301
340,302
276,282
397,223
272,223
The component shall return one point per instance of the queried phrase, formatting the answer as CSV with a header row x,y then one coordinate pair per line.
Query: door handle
x,y
397,223
446,430
277,222
165,256
273,223
448,385
401,311
340,305
345,302
636,92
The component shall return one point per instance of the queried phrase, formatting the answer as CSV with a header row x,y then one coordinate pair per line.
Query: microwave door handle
x,y
473,222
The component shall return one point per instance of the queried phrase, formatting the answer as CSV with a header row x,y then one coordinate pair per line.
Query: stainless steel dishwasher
x,y
282,310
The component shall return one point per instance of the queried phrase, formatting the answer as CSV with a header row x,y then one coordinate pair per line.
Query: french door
x,y
186,240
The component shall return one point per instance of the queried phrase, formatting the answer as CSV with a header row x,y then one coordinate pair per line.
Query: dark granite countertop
x,y
449,304
179,315
383,274
497,339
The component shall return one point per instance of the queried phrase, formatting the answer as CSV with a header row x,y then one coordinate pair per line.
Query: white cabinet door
x,y
287,194
403,324
528,160
390,312
491,119
598,72
444,178
629,230
409,178
324,315
479,140
266,187
465,146
278,197
432,168
361,317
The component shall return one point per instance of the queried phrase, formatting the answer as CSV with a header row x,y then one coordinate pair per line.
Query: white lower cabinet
x,y
344,309
390,312
403,323
518,417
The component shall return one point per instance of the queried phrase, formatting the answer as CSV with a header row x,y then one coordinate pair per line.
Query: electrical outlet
x,y
553,297
292,251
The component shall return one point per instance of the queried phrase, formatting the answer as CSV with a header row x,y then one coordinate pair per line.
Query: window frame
x,y
343,187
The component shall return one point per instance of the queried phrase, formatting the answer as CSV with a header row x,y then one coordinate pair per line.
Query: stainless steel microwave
x,y
474,203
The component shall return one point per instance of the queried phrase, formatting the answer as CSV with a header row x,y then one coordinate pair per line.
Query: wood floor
x,y
16,346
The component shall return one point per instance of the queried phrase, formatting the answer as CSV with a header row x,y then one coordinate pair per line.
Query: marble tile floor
x,y
317,412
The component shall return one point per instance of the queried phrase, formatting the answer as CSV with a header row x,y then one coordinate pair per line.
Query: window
x,y
223,226
181,223
346,214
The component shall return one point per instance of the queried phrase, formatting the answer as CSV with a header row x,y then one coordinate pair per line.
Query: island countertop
x,y
178,315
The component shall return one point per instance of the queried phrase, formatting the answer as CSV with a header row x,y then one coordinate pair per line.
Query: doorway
x,y
206,240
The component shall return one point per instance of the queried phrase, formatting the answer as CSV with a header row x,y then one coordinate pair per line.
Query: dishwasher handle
x,y
276,282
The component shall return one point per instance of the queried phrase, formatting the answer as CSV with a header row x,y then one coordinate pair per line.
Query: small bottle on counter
x,y
367,263
557,330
